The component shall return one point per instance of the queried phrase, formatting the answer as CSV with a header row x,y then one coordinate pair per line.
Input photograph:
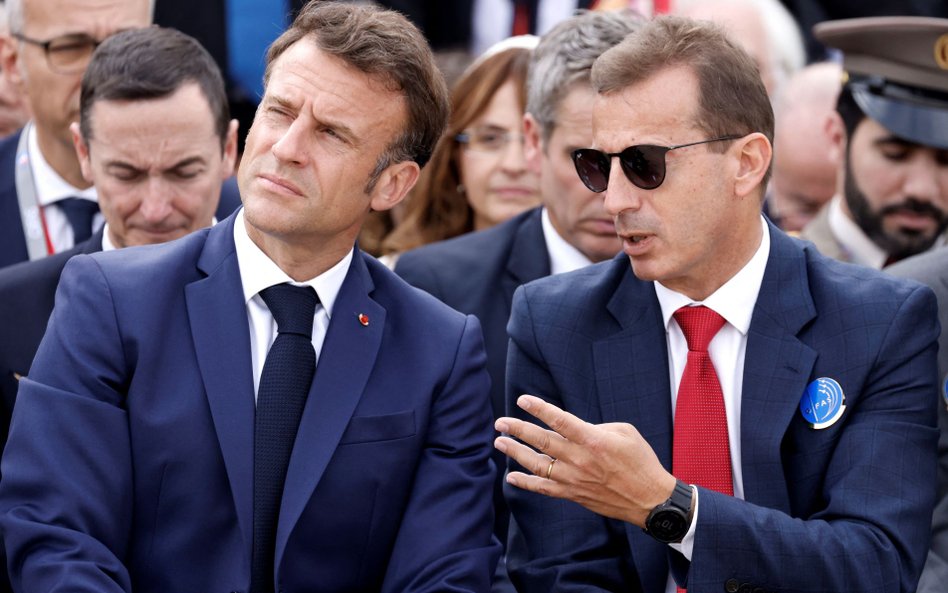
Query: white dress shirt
x,y
734,301
563,256
257,272
50,188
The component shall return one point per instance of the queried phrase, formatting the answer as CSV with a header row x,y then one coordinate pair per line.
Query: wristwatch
x,y
670,521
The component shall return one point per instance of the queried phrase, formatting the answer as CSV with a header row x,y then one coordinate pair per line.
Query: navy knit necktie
x,y
284,384
79,213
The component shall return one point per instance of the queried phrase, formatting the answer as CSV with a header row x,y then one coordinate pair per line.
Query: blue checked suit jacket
x,y
845,508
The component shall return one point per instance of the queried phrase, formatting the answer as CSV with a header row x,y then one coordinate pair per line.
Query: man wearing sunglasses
x,y
890,142
733,411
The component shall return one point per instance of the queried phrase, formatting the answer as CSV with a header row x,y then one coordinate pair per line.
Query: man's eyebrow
x,y
193,160
892,139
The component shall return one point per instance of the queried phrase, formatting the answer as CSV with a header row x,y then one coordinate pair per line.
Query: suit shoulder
x,y
839,285
590,287
25,280
468,249
929,267
404,301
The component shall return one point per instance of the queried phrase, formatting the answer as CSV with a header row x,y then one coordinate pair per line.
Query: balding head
x,y
804,170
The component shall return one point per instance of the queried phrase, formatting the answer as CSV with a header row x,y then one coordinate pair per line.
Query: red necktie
x,y
701,453
521,21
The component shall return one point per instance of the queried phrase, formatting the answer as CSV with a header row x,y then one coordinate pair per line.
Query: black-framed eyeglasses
x,y
66,54
643,164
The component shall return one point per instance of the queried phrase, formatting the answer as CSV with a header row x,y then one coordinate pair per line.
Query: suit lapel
x,y
777,367
345,363
633,384
221,334
529,259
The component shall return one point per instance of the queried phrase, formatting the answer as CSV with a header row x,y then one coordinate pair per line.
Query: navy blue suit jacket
x,y
845,508
27,292
130,457
12,238
477,274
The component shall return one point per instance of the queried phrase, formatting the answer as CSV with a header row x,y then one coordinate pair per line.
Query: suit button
x,y
731,586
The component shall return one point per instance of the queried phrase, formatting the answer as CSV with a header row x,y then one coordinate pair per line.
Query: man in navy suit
x,y
733,411
155,385
478,273
156,139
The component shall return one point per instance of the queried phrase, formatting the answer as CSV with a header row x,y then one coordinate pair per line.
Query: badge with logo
x,y
823,403
944,391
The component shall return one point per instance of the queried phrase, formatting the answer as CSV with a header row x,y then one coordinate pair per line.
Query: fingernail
x,y
512,480
502,426
524,402
500,445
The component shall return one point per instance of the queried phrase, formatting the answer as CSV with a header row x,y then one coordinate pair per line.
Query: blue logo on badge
x,y
823,403
944,390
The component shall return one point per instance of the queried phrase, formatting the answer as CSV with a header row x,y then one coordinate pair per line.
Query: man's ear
x,y
393,185
532,143
754,153
82,151
835,131
9,53
230,149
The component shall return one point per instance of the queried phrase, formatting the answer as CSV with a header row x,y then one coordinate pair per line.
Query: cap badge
x,y
941,52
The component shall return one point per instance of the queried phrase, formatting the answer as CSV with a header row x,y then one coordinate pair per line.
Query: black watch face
x,y
668,525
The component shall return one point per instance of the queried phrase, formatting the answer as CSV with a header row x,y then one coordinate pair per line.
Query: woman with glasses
x,y
477,176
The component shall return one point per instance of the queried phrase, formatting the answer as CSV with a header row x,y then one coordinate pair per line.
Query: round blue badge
x,y
944,390
823,403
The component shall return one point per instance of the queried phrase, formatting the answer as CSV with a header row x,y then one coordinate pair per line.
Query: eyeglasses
x,y
489,140
68,54
643,165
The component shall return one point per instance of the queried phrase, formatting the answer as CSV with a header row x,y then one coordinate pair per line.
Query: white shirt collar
x,y
257,271
563,256
50,187
735,299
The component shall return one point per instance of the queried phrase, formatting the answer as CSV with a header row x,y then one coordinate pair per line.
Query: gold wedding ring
x,y
549,470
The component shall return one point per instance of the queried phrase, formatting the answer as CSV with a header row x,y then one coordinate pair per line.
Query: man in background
x,y
156,140
804,172
889,142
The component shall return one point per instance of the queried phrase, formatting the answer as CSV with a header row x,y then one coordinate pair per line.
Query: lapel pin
x,y
363,319
823,403
944,391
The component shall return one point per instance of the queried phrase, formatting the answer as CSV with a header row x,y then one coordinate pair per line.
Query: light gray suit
x,y
932,269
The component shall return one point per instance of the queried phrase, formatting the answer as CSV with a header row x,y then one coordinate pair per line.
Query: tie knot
x,y
79,213
699,324
293,308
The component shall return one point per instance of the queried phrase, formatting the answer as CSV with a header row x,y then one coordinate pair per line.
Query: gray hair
x,y
565,55
15,14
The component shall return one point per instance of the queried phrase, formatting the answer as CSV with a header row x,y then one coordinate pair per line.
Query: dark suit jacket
x,y
845,508
130,457
13,240
27,292
477,274
932,269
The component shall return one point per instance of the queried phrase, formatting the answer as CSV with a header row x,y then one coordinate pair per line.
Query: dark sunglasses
x,y
643,164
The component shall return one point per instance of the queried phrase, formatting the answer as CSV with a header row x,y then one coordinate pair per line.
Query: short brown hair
x,y
386,45
731,95
437,209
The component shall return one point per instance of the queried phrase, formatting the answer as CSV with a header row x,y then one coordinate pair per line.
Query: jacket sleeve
x,y
65,497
